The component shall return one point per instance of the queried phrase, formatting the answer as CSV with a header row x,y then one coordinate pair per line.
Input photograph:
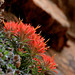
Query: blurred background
x,y
57,20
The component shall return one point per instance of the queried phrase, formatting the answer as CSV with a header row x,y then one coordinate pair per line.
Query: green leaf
x,y
14,67
0,50
1,73
6,52
0,40
2,35
11,65
3,49
26,40
3,58
15,74
7,42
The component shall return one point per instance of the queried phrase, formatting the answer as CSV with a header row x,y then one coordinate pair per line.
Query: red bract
x,y
22,50
25,31
12,27
37,45
38,64
49,63
27,35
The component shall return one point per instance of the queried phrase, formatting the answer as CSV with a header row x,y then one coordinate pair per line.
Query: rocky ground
x,y
65,59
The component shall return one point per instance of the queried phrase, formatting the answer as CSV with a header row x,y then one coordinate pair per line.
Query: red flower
x,y
23,31
49,63
38,64
36,42
12,27
22,50
27,32
38,45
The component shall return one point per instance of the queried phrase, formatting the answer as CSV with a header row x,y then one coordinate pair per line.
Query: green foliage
x,y
9,48
22,51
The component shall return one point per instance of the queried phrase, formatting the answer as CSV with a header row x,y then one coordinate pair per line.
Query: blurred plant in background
x,y
22,51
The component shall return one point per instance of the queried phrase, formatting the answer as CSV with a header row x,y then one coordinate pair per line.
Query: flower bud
x,y
17,71
15,58
9,70
1,55
10,73
18,63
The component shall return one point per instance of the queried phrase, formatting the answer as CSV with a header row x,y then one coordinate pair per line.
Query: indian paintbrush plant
x,y
22,51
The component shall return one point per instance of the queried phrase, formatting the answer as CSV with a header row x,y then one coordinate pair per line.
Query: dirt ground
x,y
65,59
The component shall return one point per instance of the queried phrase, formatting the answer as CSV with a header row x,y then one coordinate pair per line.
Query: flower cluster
x,y
49,62
27,35
27,32
38,64
11,27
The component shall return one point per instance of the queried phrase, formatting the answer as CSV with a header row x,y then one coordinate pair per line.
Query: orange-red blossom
x,y
49,62
38,64
37,45
36,42
27,32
